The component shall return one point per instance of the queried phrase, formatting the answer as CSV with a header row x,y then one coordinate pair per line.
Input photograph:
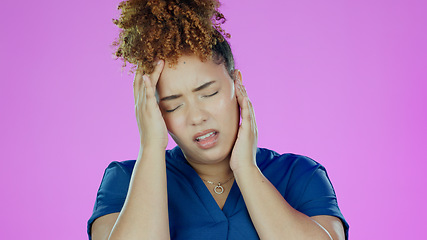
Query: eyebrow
x,y
203,86
199,88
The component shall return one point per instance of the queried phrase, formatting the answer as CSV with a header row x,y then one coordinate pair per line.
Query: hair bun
x,y
167,29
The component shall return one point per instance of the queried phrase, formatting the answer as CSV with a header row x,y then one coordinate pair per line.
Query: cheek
x,y
227,109
174,123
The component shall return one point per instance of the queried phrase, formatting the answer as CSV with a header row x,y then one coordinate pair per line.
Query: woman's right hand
x,y
152,127
138,219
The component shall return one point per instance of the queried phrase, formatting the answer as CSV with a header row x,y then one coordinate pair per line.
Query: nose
x,y
196,115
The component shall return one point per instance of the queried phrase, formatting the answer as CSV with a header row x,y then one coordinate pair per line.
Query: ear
x,y
238,75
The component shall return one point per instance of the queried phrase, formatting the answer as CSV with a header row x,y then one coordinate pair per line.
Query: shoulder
x,y
121,166
112,190
118,171
294,176
115,182
273,162
121,171
302,181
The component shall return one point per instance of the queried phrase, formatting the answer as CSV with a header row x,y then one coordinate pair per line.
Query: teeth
x,y
205,136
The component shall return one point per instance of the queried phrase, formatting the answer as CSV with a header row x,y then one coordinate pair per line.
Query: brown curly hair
x,y
167,29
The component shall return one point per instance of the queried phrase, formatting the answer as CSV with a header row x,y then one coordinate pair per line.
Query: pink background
x,y
341,82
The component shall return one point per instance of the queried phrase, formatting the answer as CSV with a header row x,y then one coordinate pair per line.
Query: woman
x,y
216,184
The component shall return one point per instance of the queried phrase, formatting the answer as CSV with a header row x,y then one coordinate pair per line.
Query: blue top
x,y
193,212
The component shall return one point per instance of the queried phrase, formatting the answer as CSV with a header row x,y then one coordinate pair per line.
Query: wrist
x,y
246,171
153,143
151,149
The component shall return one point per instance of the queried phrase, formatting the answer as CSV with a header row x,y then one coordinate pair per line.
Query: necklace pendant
x,y
218,189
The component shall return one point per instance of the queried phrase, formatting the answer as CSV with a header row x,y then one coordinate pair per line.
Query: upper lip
x,y
199,134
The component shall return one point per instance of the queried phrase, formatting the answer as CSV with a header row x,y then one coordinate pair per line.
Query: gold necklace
x,y
218,189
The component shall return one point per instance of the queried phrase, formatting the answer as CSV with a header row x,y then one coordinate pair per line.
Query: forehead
x,y
190,72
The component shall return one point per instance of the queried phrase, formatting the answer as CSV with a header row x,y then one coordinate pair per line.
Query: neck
x,y
218,172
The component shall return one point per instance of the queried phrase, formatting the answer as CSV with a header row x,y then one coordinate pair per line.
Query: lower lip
x,y
208,142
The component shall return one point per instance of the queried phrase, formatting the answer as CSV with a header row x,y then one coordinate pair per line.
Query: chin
x,y
212,155
215,156
205,156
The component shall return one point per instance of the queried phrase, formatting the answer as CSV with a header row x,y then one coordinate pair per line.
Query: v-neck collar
x,y
204,194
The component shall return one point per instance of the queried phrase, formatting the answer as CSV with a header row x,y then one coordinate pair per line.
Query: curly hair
x,y
168,29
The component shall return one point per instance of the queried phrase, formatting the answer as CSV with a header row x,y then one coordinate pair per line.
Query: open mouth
x,y
207,135
206,139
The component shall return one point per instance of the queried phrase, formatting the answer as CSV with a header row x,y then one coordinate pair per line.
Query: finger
x,y
150,96
253,119
247,110
140,103
154,77
143,93
238,89
239,94
243,103
137,82
250,107
243,89
140,96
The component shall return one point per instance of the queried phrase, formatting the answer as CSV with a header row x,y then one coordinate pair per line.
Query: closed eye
x,y
171,110
210,95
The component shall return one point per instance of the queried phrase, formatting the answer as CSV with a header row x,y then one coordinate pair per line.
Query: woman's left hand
x,y
243,154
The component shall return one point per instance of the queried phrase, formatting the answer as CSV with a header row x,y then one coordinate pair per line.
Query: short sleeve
x,y
316,193
303,183
112,191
